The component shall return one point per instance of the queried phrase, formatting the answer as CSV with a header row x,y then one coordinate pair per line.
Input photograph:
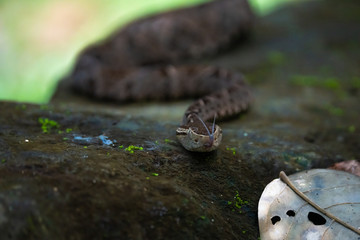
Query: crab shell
x,y
195,142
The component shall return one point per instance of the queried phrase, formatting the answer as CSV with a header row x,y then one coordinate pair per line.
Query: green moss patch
x,y
335,111
237,203
233,150
133,148
47,124
276,57
316,81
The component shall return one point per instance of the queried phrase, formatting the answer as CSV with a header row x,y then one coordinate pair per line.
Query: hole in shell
x,y
316,218
275,219
290,213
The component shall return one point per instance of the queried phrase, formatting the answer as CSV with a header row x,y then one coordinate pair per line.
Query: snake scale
x,y
145,61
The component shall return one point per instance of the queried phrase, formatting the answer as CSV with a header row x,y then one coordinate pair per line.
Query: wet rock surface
x,y
77,168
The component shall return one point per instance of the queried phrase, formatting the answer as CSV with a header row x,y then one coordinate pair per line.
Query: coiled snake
x,y
145,61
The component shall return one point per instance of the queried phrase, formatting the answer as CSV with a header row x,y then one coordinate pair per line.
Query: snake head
x,y
196,141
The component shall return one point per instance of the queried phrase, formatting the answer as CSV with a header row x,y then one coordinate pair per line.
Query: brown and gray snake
x,y
146,61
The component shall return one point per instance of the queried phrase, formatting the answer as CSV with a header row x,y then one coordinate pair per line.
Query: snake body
x,y
145,59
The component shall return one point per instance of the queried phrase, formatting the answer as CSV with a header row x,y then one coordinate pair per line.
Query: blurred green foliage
x,y
39,39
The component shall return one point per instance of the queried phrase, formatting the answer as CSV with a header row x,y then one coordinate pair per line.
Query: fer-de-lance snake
x,y
145,60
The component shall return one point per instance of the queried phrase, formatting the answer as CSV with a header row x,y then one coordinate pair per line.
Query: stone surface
x,y
99,170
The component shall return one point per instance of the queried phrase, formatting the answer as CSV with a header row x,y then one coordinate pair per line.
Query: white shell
x,y
335,191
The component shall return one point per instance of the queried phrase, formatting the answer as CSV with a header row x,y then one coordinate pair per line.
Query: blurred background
x,y
39,39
